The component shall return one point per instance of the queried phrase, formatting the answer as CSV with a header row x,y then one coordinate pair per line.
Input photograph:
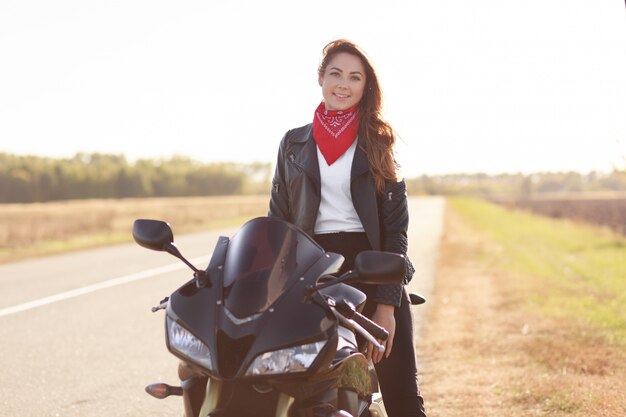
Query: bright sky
x,y
471,86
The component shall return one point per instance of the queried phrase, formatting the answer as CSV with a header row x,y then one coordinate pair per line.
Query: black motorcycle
x,y
267,329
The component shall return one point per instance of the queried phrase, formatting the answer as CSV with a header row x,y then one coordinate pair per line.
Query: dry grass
x,y
602,209
484,354
39,229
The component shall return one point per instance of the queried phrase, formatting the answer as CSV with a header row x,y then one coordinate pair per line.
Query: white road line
x,y
99,286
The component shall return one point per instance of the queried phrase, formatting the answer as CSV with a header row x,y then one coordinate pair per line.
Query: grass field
x,y
28,230
569,270
528,317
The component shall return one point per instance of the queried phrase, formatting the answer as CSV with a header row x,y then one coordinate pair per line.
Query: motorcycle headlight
x,y
293,359
185,343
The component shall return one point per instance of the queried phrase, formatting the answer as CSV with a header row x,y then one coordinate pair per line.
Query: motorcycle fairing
x,y
278,261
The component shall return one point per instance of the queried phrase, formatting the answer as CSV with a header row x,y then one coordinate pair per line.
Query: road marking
x,y
99,286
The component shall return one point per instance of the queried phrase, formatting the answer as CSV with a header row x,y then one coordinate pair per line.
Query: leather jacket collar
x,y
308,161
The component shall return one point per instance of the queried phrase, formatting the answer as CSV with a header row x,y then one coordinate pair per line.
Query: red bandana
x,y
334,131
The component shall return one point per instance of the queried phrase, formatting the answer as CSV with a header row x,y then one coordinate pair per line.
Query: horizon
x,y
272,166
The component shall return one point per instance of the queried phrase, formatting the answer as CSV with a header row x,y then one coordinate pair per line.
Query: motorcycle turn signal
x,y
161,390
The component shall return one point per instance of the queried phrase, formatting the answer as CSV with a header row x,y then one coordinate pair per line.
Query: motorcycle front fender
x,y
354,374
223,399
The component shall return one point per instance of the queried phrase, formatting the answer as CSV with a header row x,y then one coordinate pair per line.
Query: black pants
x,y
397,374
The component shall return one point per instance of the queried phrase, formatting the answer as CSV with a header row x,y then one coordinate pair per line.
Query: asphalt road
x,y
78,337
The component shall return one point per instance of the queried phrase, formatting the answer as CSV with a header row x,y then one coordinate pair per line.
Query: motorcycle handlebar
x,y
374,329
348,310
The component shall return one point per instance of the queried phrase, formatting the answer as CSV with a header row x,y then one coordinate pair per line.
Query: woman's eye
x,y
356,78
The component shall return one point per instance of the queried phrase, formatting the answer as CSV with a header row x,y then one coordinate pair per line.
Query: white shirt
x,y
336,212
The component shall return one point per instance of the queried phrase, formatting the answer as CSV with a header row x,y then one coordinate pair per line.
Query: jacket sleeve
x,y
394,213
279,200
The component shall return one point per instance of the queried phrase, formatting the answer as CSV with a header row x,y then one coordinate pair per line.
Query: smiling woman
x,y
336,178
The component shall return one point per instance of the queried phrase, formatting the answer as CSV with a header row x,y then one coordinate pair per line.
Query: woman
x,y
336,179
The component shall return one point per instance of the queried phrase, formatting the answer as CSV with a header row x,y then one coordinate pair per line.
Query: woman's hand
x,y
383,316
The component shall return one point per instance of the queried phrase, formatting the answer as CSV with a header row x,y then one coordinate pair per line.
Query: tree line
x,y
518,186
29,179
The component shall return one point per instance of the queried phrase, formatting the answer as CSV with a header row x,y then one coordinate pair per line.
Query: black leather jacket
x,y
296,194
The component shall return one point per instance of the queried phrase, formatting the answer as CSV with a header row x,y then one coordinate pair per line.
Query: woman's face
x,y
343,82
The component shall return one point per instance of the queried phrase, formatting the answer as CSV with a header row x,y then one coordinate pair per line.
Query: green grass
x,y
568,270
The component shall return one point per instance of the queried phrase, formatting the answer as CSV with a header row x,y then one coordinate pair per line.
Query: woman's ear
x,y
319,81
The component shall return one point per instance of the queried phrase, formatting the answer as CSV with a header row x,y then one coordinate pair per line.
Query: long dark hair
x,y
378,135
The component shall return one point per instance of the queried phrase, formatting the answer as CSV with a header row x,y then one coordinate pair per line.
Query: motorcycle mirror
x,y
153,234
158,235
376,267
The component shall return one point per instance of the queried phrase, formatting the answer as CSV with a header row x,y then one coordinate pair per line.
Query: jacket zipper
x,y
292,159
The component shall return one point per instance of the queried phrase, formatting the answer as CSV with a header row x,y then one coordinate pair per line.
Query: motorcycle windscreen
x,y
265,257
